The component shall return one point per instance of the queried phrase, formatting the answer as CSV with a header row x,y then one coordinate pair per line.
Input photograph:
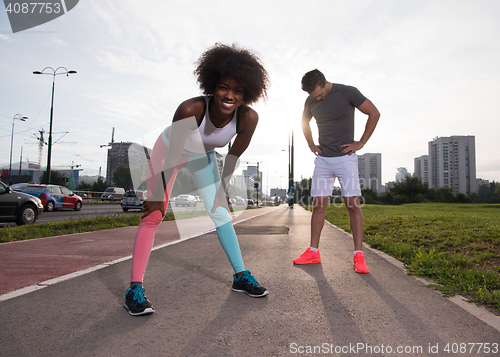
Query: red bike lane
x,y
30,262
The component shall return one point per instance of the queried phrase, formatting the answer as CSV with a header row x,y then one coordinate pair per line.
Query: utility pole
x,y
258,184
109,162
20,165
290,163
291,193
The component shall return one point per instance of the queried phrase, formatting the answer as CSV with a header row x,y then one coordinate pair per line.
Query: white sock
x,y
314,249
358,251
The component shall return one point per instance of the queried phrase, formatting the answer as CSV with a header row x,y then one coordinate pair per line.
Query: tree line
x,y
409,190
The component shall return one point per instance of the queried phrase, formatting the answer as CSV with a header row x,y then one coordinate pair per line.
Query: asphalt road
x,y
91,210
313,310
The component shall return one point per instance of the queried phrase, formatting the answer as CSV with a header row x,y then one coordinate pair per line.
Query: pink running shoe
x,y
308,257
359,264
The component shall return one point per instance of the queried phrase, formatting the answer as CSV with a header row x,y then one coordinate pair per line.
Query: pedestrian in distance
x,y
333,106
231,79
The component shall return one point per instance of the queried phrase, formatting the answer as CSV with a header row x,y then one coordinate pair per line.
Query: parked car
x,y
18,207
54,196
250,202
185,200
240,201
133,199
19,187
113,194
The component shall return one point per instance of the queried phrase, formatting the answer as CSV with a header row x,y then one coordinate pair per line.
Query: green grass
x,y
457,245
97,223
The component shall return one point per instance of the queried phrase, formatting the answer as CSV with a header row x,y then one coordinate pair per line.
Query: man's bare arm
x,y
373,116
306,129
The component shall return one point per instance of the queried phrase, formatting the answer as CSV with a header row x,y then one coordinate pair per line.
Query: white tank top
x,y
207,136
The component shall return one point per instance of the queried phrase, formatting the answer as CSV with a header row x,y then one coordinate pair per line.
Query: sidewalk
x,y
313,310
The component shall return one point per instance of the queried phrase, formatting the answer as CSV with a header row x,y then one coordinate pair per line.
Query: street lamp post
x,y
54,73
19,117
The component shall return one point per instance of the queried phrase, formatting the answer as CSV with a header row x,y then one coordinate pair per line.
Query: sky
x,y
430,67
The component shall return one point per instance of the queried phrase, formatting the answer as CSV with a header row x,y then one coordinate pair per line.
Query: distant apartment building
x,y
117,155
389,185
421,168
452,163
245,183
370,171
402,173
480,182
252,171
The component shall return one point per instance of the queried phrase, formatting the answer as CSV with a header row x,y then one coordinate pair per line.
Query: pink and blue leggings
x,y
203,168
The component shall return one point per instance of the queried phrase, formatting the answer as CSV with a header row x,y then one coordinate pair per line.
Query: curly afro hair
x,y
221,60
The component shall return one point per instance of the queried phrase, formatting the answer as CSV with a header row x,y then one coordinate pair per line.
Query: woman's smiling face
x,y
228,94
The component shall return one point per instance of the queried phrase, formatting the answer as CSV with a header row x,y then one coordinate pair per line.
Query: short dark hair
x,y
221,60
312,79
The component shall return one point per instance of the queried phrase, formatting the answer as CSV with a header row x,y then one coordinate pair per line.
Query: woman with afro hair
x,y
231,79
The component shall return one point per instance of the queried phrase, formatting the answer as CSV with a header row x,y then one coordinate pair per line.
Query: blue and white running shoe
x,y
249,285
136,302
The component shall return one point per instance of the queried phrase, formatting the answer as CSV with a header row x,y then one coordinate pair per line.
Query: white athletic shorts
x,y
326,169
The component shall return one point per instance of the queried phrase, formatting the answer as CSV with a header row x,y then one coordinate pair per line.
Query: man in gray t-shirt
x,y
333,106
335,117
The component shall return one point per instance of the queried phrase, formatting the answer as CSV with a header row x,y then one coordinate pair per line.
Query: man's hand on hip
x,y
316,149
352,148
